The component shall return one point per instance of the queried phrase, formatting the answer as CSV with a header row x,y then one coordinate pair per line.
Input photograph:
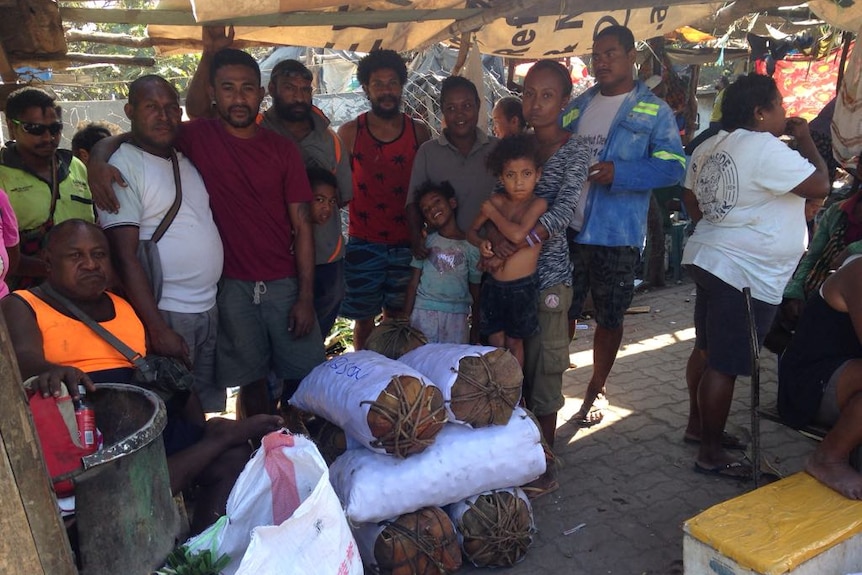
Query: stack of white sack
x,y
381,403
481,385
461,462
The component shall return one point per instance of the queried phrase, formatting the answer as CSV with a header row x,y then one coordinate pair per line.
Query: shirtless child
x,y
509,298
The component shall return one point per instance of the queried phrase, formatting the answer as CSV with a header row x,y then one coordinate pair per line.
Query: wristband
x,y
529,240
535,235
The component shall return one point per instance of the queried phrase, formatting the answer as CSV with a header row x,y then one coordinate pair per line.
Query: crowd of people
x,y
223,236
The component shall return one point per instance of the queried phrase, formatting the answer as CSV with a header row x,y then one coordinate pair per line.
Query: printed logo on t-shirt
x,y
596,144
446,260
717,186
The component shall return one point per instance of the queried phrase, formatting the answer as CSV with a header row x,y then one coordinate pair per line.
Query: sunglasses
x,y
39,129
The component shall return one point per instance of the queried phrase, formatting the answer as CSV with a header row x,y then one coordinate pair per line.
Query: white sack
x,y
339,390
439,363
461,462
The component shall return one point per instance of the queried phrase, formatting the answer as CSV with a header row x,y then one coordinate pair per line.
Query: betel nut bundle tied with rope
x,y
381,403
495,528
481,385
423,542
394,337
330,439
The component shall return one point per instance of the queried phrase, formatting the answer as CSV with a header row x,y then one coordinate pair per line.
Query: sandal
x,y
541,486
734,470
593,417
728,441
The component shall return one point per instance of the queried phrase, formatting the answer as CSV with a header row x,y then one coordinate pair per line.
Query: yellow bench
x,y
795,526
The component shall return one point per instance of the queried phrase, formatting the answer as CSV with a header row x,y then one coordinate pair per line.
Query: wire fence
x,y
421,99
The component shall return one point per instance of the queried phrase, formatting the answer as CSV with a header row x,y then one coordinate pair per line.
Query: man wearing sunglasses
x,y
45,185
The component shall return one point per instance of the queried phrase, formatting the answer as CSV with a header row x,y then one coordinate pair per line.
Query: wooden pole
x,y
847,37
32,536
691,105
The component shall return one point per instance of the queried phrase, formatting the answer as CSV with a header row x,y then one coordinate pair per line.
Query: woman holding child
x,y
565,159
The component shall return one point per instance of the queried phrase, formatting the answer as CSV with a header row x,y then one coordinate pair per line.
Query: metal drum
x,y
126,517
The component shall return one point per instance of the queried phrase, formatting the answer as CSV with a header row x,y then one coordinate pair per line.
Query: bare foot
x,y
237,432
837,475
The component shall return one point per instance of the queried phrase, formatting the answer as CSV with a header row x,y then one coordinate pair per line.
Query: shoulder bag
x,y
148,250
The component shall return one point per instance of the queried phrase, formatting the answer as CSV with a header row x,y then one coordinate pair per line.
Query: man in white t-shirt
x,y
635,147
182,323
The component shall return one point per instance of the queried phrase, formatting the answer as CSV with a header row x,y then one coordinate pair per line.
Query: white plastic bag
x,y
461,462
342,389
282,511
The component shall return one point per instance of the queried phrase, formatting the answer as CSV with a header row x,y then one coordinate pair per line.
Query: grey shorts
x,y
200,330
828,412
253,335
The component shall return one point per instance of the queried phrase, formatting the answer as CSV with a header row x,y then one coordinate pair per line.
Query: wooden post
x,y
691,106
32,536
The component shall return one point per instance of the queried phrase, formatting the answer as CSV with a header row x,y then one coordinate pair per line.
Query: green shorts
x,y
253,335
546,355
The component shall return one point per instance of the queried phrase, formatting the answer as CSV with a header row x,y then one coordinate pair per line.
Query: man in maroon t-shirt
x,y
383,144
259,196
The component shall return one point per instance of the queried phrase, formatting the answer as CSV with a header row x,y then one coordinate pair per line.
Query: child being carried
x,y
509,298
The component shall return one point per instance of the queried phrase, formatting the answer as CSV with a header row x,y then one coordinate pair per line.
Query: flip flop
x,y
540,487
593,417
728,441
733,470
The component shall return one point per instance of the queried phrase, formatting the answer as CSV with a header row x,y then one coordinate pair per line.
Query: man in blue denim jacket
x,y
635,147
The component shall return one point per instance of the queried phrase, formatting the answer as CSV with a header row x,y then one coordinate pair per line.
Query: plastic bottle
x,y
86,420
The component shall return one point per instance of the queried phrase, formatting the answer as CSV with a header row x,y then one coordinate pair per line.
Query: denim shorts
x,y
721,326
328,294
510,307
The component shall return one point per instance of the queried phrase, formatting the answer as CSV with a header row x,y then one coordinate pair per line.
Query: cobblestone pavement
x,y
630,479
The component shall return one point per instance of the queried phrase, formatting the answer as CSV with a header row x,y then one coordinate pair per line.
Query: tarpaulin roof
x,y
536,30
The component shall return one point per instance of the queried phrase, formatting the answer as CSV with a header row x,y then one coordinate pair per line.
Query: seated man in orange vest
x,y
52,344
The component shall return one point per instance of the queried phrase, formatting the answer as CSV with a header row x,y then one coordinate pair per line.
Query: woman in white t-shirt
x,y
746,190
